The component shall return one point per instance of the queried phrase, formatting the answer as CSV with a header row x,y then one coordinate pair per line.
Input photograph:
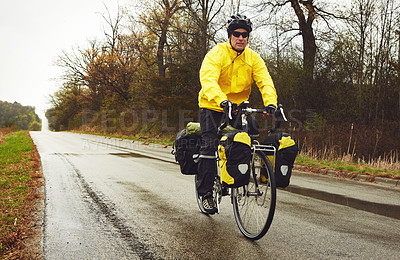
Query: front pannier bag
x,y
186,150
234,154
286,152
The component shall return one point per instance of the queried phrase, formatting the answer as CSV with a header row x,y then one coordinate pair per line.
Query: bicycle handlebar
x,y
253,110
279,115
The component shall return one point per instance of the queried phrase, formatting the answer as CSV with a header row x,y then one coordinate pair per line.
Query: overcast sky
x,y
33,33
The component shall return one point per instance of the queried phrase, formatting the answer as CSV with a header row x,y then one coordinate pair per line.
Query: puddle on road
x,y
134,155
140,155
387,210
66,154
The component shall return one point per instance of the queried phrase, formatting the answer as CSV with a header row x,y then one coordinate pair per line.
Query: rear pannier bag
x,y
234,154
186,150
286,152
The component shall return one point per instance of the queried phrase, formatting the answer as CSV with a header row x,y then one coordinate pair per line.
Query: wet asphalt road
x,y
106,199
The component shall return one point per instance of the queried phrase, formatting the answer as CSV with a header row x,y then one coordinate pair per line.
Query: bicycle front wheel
x,y
254,204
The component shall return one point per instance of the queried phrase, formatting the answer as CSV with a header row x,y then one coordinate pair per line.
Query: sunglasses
x,y
237,34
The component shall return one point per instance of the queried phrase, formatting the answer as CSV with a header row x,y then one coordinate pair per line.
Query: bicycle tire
x,y
254,211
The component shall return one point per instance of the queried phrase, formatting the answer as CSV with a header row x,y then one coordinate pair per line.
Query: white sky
x,y
33,33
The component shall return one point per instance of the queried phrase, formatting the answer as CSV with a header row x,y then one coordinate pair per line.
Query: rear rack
x,y
264,148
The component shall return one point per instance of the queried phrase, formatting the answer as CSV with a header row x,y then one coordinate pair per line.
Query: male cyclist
x,y
226,75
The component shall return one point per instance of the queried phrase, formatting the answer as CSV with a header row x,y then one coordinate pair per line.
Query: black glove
x,y
229,108
270,109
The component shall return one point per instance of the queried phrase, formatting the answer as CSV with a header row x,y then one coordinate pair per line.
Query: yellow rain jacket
x,y
226,75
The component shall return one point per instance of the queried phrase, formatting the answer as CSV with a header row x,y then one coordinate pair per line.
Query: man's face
x,y
238,42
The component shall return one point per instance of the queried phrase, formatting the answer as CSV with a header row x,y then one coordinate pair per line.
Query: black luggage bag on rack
x,y
186,150
286,152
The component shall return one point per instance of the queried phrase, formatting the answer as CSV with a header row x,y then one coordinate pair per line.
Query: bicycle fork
x,y
253,167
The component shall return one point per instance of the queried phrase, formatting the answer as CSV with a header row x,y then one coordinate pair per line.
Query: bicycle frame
x,y
254,203
255,146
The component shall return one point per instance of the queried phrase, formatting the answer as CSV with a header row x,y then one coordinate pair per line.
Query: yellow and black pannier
x,y
286,152
234,152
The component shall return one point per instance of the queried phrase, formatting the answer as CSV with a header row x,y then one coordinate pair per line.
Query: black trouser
x,y
207,167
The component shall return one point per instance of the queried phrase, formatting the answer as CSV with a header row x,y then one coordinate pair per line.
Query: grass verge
x,y
346,166
20,180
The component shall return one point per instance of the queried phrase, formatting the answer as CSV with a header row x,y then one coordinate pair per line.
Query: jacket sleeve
x,y
264,81
209,75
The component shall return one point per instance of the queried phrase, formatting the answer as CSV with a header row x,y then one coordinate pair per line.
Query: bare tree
x,y
360,21
157,19
306,13
204,13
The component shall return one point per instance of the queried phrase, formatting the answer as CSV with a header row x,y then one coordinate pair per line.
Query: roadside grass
x,y
379,168
20,178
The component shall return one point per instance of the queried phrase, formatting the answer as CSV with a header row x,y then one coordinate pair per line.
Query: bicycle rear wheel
x,y
254,204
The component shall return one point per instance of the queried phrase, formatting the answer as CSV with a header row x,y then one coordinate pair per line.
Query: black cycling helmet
x,y
239,21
